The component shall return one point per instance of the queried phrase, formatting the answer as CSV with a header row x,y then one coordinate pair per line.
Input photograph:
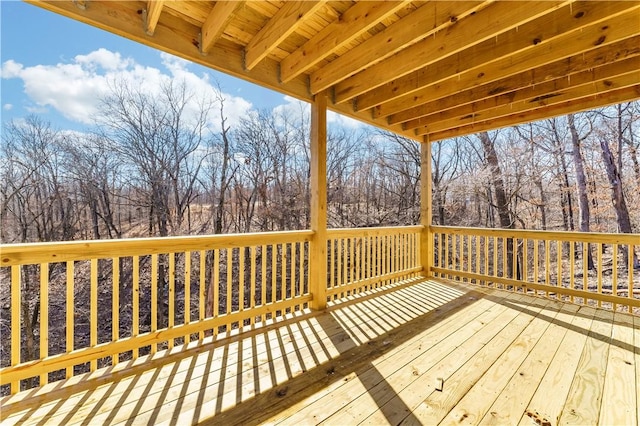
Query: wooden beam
x,y
318,244
612,76
431,101
279,27
193,12
506,109
354,21
154,8
467,32
565,32
426,236
216,22
426,20
575,105
81,4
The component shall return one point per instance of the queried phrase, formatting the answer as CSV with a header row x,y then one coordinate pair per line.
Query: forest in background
x,y
158,165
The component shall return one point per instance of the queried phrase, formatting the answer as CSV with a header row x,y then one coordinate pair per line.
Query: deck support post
x,y
426,239
318,203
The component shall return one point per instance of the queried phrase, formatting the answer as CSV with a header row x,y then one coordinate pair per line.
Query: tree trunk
x,y
617,194
501,202
543,203
566,200
581,182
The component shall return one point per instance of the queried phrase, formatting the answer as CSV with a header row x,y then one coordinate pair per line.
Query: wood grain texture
x,y
375,359
584,400
376,59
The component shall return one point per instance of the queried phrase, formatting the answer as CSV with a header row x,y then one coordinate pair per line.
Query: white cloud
x,y
75,88
343,121
7,107
104,59
292,109
11,69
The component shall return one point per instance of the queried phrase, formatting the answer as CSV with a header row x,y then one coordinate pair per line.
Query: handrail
x,y
583,237
135,297
33,253
264,276
371,231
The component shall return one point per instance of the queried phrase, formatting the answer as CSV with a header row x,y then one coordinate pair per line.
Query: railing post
x,y
426,239
318,244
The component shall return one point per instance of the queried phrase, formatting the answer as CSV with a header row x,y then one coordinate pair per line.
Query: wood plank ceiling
x,y
427,70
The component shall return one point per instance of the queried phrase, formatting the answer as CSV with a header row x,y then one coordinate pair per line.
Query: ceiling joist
x,y
425,21
355,21
502,109
154,8
216,22
610,97
483,25
285,22
616,75
552,36
420,107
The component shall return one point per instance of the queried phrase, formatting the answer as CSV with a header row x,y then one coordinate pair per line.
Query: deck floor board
x,y
515,397
404,401
391,375
501,357
619,391
585,396
560,372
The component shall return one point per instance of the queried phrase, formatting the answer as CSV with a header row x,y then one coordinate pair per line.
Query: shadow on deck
x,y
423,351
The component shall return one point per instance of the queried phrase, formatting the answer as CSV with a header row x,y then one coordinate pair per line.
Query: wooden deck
x,y
425,352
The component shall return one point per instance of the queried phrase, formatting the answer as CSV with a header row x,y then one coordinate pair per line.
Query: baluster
x,y
16,335
93,311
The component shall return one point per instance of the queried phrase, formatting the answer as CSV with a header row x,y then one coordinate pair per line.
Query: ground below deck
x,y
425,352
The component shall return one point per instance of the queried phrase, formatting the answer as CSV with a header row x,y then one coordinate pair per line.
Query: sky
x,y
58,69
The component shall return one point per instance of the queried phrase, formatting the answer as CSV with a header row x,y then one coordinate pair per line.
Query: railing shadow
x,y
273,362
361,338
276,372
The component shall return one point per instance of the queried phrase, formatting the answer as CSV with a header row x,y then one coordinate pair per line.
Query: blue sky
x,y
57,68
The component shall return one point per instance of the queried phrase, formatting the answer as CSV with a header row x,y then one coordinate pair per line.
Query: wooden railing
x,y
550,264
124,299
82,307
127,301
366,258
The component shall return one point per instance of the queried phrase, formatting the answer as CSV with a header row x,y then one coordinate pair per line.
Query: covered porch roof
x,y
426,70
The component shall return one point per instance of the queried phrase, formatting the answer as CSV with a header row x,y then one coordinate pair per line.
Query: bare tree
x,y
501,201
551,142
95,171
581,182
613,170
445,157
36,206
402,164
535,174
